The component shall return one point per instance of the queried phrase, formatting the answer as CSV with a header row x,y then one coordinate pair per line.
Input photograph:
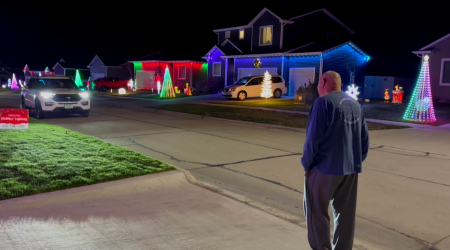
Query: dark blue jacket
x,y
337,137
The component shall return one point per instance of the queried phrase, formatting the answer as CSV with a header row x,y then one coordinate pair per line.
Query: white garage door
x,y
145,80
298,77
243,72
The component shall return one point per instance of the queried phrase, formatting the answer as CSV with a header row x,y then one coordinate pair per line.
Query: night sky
x,y
38,35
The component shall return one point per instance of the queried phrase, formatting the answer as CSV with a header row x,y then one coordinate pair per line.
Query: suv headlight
x,y
84,95
47,95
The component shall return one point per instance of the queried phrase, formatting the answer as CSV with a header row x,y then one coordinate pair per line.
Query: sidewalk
x,y
161,211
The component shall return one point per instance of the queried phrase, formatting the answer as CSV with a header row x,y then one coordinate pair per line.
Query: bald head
x,y
329,82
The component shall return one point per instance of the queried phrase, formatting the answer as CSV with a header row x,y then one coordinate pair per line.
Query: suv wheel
x,y
39,114
24,106
242,95
277,93
103,88
85,113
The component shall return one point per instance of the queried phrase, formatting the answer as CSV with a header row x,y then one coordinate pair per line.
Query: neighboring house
x,y
28,72
439,62
299,49
99,69
146,69
62,68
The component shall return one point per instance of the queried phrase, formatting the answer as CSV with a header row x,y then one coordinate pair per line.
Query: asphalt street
x,y
404,190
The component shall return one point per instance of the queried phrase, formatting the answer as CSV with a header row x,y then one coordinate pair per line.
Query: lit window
x,y
241,34
217,68
265,35
227,35
181,72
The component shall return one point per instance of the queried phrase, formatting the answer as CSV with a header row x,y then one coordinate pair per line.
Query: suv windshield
x,y
243,81
55,84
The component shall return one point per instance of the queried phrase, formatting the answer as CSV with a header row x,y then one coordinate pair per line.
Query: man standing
x,y
337,142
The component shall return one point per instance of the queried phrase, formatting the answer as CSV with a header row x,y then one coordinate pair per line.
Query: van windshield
x,y
243,81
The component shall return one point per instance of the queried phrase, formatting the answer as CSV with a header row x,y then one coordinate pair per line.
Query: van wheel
x,y
277,93
242,95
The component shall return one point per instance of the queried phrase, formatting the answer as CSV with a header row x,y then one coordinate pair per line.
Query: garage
x,y
243,72
145,79
299,76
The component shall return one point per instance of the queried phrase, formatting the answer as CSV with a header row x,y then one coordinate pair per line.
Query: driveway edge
x,y
252,124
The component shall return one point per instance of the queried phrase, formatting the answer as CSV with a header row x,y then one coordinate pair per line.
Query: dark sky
x,y
39,34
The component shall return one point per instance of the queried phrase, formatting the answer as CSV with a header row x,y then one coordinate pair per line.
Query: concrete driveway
x,y
404,194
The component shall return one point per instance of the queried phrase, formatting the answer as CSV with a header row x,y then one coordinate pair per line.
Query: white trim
x,y
274,55
215,47
181,61
329,14
239,77
229,34
232,28
228,41
253,21
77,69
220,63
442,72
299,47
226,72
421,52
342,44
243,32
271,39
184,72
282,66
290,80
96,56
437,41
55,66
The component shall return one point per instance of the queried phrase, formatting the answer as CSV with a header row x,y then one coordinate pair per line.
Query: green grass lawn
x,y
46,158
252,115
15,91
375,109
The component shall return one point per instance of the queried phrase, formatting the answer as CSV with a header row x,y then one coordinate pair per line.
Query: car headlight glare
x,y
84,95
47,95
232,89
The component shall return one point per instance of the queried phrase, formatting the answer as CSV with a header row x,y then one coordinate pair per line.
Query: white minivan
x,y
250,86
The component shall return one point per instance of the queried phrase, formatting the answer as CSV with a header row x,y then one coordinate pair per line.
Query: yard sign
x,y
14,118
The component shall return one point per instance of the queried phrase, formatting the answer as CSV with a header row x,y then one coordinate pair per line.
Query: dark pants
x,y
320,189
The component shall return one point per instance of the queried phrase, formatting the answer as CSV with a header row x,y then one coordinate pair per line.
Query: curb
x,y
252,124
357,244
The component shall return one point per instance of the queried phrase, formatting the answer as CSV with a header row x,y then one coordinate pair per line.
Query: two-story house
x,y
61,68
299,49
99,69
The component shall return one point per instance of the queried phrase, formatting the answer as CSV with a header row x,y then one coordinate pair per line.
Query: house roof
x,y
2,65
254,20
152,56
228,41
310,49
329,14
168,61
69,66
429,46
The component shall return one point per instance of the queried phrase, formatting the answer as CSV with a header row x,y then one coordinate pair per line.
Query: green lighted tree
x,y
78,81
167,88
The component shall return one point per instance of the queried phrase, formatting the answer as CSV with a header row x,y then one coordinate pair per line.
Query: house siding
x,y
97,66
231,76
441,50
217,82
122,72
200,77
266,19
59,70
338,59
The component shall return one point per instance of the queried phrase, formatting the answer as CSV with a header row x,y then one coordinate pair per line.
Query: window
x,y
265,35
181,72
255,81
227,35
445,72
241,34
276,79
217,66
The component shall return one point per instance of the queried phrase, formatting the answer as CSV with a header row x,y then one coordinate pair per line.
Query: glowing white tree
x,y
266,88
353,91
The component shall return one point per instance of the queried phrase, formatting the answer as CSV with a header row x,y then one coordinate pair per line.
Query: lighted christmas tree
x,y
26,69
420,107
78,81
167,88
14,84
47,71
266,89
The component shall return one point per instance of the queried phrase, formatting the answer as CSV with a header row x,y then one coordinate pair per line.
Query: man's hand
x,y
306,172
